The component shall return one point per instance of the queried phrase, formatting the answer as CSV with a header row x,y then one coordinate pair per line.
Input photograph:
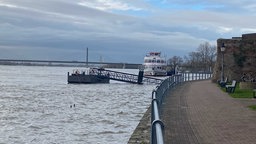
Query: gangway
x,y
124,77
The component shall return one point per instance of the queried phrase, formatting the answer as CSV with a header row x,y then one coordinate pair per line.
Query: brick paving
x,y
200,113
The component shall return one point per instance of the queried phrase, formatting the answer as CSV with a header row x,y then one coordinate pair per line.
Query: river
x,y
37,106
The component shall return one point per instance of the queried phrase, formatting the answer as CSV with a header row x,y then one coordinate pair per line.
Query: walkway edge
x,y
141,135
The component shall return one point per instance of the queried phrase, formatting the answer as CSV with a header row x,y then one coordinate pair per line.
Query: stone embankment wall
x,y
239,58
141,134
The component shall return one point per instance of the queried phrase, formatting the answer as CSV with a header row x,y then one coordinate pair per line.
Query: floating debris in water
x,y
74,105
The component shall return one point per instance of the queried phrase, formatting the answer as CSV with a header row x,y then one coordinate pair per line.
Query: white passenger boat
x,y
154,64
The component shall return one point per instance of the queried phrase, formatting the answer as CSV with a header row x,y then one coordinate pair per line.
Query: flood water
x,y
38,106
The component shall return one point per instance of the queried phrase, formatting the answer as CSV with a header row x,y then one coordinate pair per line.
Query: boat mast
x,y
87,56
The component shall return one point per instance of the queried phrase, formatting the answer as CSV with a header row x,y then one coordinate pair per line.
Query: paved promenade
x,y
200,113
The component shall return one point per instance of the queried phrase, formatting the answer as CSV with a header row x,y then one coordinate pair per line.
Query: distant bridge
x,y
69,63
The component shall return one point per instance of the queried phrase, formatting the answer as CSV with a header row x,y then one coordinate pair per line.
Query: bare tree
x,y
203,59
207,55
175,61
194,61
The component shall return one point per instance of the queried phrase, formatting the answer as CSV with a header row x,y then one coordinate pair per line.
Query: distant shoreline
x,y
67,63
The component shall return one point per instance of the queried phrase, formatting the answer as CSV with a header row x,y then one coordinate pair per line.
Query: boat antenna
x,y
165,57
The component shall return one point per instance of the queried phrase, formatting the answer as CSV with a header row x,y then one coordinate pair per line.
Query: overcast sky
x,y
117,30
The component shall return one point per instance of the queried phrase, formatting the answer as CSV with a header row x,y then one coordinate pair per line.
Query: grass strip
x,y
253,107
241,93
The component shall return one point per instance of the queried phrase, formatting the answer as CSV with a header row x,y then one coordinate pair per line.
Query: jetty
x,y
100,75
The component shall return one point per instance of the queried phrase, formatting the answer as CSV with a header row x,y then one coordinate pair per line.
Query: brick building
x,y
239,58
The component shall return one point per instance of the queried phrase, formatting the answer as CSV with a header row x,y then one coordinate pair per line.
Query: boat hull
x,y
87,79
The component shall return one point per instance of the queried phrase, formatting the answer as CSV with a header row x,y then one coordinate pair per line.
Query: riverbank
x,y
141,134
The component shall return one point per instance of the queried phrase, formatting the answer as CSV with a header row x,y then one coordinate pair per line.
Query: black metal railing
x,y
158,95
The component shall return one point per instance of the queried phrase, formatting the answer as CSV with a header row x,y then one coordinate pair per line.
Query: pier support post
x,y
140,77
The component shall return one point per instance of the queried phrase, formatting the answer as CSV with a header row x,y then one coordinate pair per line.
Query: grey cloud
x,y
62,29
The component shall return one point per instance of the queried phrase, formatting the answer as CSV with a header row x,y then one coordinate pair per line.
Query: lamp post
x,y
222,49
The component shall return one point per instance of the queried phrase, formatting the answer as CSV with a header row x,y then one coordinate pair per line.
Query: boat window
x,y
162,61
149,61
158,61
153,61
